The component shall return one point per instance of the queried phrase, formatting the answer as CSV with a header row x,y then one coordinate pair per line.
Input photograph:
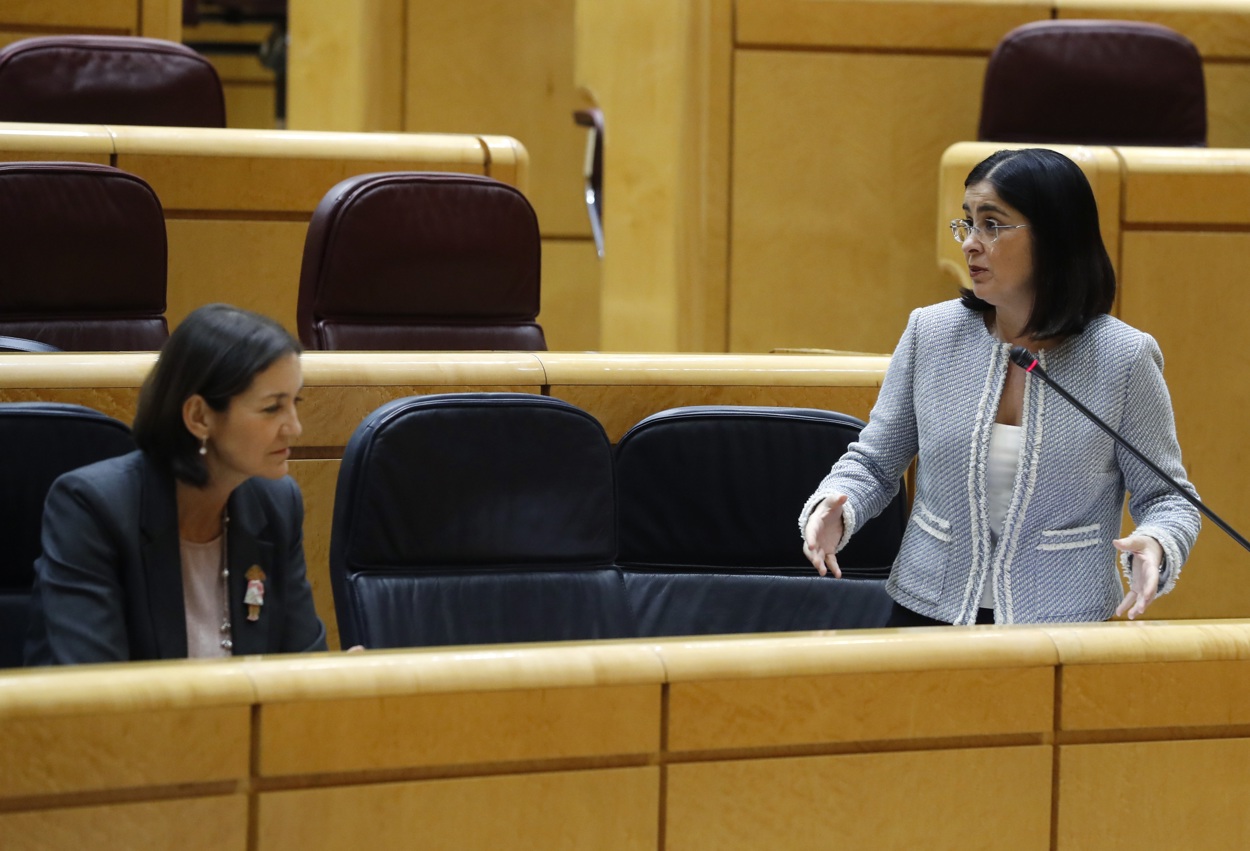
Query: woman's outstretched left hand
x,y
1143,584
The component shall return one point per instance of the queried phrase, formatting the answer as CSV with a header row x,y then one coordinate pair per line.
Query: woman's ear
x,y
197,416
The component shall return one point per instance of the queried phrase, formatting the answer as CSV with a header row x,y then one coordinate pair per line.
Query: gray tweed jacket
x,y
1053,561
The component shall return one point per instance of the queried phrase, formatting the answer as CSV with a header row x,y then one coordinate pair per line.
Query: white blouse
x,y
204,596
1000,477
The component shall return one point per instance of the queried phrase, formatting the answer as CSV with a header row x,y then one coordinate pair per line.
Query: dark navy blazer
x,y
108,585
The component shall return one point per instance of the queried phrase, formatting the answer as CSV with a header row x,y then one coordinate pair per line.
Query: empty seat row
x,y
495,517
502,517
400,260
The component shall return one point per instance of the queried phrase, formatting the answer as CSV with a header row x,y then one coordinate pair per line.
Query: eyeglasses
x,y
963,231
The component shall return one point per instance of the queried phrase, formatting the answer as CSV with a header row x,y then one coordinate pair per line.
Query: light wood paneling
x,y
825,219
1110,796
1186,288
152,18
317,480
857,707
1157,694
345,66
114,750
253,264
895,25
570,295
458,729
662,71
195,824
953,799
612,810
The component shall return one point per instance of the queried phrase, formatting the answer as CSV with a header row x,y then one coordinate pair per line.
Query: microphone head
x,y
1022,356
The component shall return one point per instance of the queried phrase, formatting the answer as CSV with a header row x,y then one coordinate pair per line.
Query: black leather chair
x,y
1089,82
421,261
38,442
20,344
476,518
708,500
93,79
83,259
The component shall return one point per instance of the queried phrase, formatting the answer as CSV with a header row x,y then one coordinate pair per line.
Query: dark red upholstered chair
x,y
421,261
91,79
1095,83
82,257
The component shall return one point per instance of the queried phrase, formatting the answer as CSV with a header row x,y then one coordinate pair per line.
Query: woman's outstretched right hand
x,y
823,533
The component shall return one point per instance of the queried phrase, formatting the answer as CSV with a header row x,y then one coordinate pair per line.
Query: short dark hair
x,y
1073,280
215,352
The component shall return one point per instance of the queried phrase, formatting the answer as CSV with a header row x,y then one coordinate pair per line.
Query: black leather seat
x,y
1090,82
476,518
38,442
708,498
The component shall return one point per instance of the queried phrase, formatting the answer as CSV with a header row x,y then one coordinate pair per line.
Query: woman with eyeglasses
x,y
1018,496
191,546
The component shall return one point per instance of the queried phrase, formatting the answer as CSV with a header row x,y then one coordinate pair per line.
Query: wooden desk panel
x,y
402,746
923,799
612,810
152,18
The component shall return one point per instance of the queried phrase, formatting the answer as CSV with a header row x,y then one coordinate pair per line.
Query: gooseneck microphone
x,y
1024,358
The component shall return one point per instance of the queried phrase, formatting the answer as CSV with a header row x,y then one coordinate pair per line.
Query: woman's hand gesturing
x,y
823,533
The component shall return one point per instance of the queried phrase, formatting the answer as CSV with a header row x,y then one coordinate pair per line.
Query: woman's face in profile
x,y
253,436
1000,261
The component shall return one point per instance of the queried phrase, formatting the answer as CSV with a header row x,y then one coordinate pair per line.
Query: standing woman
x,y
193,545
1018,496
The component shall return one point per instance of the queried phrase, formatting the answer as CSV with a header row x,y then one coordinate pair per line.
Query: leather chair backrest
x,y
38,442
421,261
1095,82
82,257
708,498
476,518
93,79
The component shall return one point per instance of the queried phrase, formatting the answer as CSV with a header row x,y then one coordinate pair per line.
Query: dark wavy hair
x,y
215,352
1073,281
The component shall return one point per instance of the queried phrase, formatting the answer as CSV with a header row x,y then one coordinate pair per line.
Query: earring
x,y
204,445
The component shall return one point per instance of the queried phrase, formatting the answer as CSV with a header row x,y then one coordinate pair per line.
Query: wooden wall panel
x,y
1105,793
458,729
956,799
611,810
192,824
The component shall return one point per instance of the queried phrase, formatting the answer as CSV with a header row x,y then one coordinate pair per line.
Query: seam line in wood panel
x,y
131,795
662,809
1184,227
313,780
954,53
253,796
61,29
1121,735
866,746
316,453
728,280
1054,761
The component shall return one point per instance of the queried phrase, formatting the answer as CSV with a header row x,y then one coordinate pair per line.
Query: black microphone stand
x,y
1024,358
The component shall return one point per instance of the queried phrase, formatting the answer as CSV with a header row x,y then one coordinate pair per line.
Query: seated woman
x,y
193,545
1018,496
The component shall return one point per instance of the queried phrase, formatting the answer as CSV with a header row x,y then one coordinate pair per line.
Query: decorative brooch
x,y
255,596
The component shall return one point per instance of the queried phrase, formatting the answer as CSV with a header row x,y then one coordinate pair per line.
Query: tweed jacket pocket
x,y
1071,539
931,523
